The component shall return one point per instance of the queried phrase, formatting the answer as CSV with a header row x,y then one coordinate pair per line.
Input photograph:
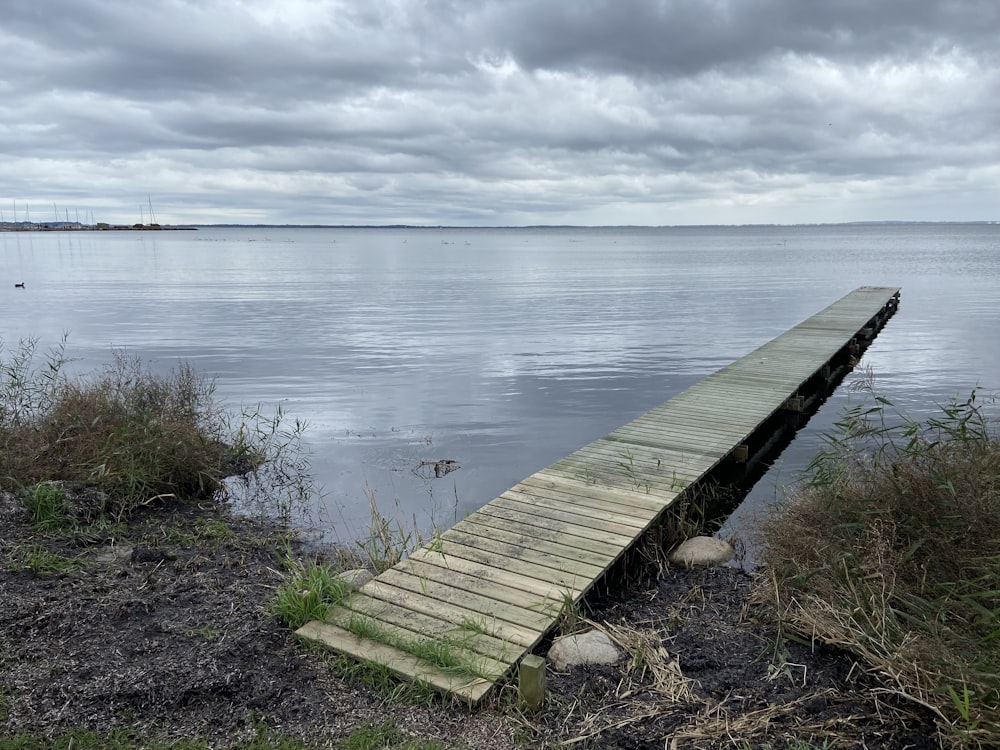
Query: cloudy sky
x,y
497,112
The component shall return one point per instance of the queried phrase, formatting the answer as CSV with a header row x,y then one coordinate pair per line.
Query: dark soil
x,y
163,628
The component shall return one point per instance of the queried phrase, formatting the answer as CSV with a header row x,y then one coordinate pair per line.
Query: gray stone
x,y
702,550
592,647
113,554
355,578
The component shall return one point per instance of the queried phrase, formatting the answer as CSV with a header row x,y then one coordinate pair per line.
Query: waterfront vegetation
x,y
891,549
126,437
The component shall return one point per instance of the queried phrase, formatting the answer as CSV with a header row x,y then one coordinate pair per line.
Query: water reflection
x,y
501,349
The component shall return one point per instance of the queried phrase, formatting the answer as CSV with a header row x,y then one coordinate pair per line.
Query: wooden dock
x,y
461,612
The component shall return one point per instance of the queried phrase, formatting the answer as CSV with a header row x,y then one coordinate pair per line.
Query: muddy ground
x,y
163,628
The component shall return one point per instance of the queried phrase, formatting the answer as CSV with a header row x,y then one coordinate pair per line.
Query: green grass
x,y
47,505
890,549
385,736
123,739
42,562
309,591
389,540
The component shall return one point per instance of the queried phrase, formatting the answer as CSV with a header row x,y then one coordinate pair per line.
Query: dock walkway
x,y
459,613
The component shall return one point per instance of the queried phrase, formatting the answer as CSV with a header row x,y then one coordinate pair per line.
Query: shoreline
x,y
108,228
163,630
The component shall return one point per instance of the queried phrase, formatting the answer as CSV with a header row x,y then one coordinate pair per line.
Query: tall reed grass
x,y
135,436
891,549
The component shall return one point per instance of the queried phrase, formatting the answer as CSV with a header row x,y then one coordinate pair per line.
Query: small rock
x,y
702,550
113,554
355,578
592,647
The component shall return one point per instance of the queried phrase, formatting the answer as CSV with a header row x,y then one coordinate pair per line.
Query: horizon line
x,y
583,226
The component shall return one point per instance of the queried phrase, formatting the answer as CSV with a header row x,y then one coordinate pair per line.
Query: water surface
x,y
501,349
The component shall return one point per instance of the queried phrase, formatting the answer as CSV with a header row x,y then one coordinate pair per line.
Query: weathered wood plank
x,y
635,504
453,611
550,541
600,517
462,659
476,633
504,603
506,576
566,528
585,502
406,665
518,560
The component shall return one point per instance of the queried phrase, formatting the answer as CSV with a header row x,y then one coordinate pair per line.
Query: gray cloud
x,y
709,111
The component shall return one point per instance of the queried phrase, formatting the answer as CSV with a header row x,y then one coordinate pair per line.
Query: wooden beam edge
x,y
470,689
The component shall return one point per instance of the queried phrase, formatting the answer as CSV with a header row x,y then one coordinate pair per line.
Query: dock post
x,y
531,681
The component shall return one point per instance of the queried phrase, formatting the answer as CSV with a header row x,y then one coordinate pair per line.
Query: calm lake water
x,y
501,349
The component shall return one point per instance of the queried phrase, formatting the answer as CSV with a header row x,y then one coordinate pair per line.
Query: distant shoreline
x,y
98,228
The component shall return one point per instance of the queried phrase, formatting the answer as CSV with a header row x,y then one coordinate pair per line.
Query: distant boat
x,y
19,285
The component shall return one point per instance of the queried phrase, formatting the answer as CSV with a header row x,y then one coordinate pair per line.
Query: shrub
x,y
135,436
891,548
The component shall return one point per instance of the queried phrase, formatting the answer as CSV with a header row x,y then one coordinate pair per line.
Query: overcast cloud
x,y
495,112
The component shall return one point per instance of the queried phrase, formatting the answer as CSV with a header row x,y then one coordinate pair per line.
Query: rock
x,y
702,550
113,554
592,647
355,578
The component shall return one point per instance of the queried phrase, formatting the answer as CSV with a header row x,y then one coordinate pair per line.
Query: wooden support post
x,y
825,372
741,453
795,403
531,681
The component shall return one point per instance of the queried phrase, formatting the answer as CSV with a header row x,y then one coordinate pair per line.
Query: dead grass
x,y
126,437
890,550
136,435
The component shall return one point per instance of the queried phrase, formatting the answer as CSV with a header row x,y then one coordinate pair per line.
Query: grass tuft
x,y
47,505
308,593
389,541
42,562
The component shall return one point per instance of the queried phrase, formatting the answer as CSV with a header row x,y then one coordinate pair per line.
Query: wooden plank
x,y
582,500
655,463
516,559
504,587
503,571
401,663
654,487
475,633
564,480
453,611
462,659
632,504
534,612
566,528
662,456
544,540
624,524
